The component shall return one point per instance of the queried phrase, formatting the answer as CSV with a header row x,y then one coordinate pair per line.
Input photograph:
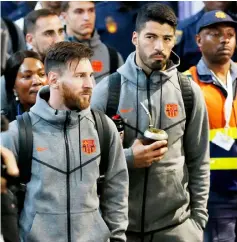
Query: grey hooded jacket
x,y
61,201
100,59
177,187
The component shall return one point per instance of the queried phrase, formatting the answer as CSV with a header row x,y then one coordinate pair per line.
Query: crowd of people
x,y
69,95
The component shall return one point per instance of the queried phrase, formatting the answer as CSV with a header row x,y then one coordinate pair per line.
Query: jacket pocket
x,y
196,230
89,226
48,228
166,199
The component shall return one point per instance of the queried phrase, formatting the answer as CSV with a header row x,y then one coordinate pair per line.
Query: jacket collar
x,y
205,74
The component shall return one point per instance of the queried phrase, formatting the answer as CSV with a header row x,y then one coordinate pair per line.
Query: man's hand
x,y
9,160
145,155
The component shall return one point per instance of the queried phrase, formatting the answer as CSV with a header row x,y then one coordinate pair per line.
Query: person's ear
x,y
199,40
30,39
135,38
53,79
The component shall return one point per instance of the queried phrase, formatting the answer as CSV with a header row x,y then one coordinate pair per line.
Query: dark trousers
x,y
221,230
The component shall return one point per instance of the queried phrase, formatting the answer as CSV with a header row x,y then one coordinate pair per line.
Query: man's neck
x,y
56,103
78,36
146,69
220,70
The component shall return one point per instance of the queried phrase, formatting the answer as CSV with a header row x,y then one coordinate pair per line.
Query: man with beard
x,y
169,181
216,74
43,28
61,202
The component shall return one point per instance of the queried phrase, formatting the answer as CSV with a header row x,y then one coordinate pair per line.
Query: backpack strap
x,y
113,59
114,94
12,34
102,129
101,126
25,146
187,95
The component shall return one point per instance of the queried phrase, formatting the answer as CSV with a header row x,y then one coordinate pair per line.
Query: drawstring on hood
x,y
161,101
137,107
79,131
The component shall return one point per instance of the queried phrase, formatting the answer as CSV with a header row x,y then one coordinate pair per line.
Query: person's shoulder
x,y
191,21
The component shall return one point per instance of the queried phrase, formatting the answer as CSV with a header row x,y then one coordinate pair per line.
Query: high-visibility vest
x,y
215,100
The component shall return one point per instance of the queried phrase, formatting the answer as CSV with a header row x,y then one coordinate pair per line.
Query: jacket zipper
x,y
68,177
146,172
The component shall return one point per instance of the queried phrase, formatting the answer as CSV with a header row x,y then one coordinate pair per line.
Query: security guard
x,y
186,46
216,74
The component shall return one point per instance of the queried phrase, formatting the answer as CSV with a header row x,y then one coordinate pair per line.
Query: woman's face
x,y
30,78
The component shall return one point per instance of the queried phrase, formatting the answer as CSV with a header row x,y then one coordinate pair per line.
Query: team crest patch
x,y
97,65
171,110
88,146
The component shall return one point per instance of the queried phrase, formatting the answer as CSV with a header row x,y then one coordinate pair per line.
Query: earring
x,y
16,95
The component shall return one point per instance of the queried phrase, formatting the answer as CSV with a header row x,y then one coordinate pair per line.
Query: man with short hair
x,y
80,27
61,202
168,188
43,28
216,74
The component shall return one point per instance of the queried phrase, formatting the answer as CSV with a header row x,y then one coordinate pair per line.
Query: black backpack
x,y
26,151
113,60
115,88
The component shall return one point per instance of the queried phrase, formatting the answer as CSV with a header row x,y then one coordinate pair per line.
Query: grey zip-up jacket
x,y
61,201
177,187
100,59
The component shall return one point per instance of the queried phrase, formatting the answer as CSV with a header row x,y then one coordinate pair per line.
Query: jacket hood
x,y
132,72
53,116
93,42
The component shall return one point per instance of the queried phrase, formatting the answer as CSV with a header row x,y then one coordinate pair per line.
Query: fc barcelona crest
x,y
171,110
88,146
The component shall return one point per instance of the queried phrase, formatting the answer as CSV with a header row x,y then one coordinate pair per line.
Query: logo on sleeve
x,y
171,110
88,146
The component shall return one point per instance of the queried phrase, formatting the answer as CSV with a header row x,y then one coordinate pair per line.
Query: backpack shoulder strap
x,y
113,59
114,94
12,34
104,138
25,146
187,95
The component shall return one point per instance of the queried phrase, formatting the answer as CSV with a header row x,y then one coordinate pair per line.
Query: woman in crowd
x,y
24,76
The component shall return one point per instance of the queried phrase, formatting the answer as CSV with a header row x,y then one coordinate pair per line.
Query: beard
x,y
75,101
152,63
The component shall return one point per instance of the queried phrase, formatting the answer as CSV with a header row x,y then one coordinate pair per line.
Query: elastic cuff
x,y
129,157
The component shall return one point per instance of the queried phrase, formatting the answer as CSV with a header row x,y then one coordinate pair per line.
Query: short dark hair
x,y
33,16
62,53
12,67
156,12
65,5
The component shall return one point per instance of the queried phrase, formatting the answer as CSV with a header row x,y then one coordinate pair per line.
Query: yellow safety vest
x,y
226,163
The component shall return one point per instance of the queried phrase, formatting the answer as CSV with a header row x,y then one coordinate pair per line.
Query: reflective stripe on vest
x,y
225,163
231,132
